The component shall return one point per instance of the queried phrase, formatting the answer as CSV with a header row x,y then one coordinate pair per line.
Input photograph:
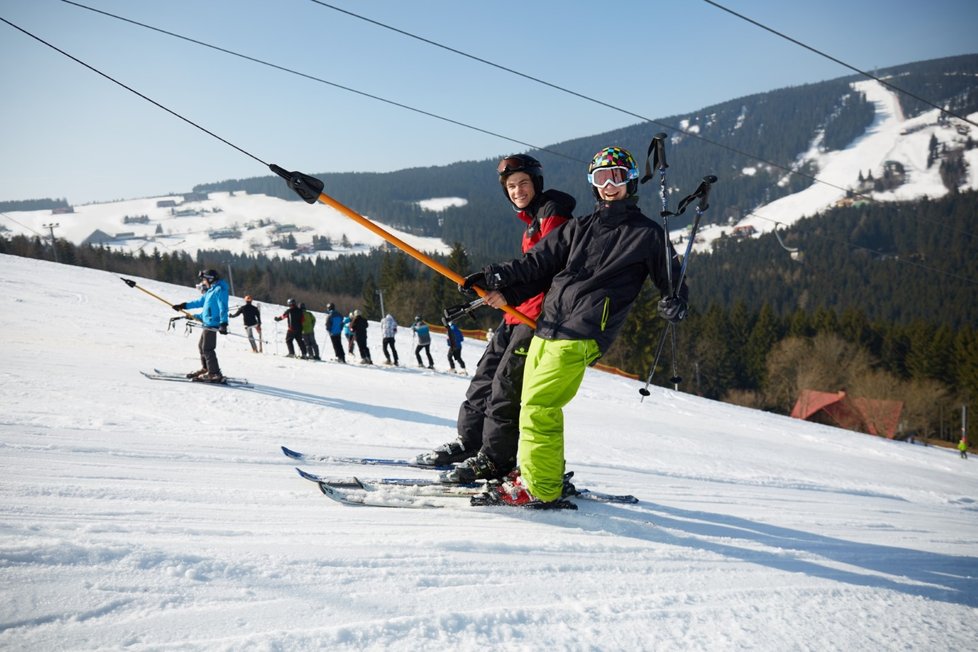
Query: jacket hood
x,y
564,202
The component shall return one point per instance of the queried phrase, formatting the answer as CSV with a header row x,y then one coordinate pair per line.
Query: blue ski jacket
x,y
214,303
334,322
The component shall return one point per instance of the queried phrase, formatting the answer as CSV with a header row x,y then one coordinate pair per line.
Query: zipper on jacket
x,y
605,313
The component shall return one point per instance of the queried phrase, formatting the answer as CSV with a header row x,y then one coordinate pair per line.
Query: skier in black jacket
x,y
594,267
294,314
252,322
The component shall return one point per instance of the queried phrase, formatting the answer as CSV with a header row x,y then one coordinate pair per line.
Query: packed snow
x,y
149,515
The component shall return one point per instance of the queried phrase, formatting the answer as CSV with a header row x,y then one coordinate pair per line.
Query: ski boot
x,y
450,453
511,492
210,378
479,467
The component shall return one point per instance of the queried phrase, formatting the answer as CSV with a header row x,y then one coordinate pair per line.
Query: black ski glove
x,y
179,306
672,309
472,280
223,329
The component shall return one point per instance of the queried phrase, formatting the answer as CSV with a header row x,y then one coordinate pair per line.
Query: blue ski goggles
x,y
616,176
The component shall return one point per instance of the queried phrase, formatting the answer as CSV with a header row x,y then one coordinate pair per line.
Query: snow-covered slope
x,y
238,222
890,138
145,515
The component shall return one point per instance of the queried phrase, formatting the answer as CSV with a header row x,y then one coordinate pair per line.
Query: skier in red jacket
x,y
488,431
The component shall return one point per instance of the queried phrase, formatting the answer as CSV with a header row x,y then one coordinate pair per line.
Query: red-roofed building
x,y
872,416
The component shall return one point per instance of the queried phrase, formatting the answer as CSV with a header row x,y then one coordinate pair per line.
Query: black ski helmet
x,y
290,302
520,163
330,306
209,275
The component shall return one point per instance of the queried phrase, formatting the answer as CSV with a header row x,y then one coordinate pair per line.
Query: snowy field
x,y
143,515
259,221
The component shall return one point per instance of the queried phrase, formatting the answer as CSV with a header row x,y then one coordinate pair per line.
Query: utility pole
x,y
964,422
54,247
380,293
230,276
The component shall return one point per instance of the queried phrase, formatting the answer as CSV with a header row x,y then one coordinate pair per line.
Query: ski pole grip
x,y
659,141
708,182
656,153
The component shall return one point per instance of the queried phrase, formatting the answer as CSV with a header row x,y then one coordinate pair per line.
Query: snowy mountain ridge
x,y
250,224
890,139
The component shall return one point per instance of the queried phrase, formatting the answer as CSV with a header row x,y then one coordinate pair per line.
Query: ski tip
x,y
291,453
305,475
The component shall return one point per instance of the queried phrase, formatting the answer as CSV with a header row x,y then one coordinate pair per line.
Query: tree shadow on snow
x,y
379,411
935,576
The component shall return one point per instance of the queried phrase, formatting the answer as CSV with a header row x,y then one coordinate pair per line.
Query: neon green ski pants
x,y
553,374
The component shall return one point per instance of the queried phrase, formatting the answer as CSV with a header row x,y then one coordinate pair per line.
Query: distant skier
x,y
963,448
348,333
214,317
309,332
359,328
388,329
423,334
455,339
334,327
252,322
293,314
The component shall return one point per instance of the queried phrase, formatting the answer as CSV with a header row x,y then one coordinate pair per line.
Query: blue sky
x,y
67,132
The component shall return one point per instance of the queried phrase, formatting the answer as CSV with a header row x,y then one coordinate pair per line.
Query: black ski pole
x,y
657,152
702,193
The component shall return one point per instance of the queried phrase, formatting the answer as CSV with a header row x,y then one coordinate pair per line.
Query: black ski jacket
x,y
251,313
594,268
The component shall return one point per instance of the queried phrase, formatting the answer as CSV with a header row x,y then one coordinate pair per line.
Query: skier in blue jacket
x,y
455,339
334,326
214,317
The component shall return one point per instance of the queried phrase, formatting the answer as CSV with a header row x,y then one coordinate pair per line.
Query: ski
x,y
369,461
416,487
347,495
182,378
408,497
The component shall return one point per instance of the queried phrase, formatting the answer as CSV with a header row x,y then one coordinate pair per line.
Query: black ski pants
x,y
208,351
292,336
361,338
427,351
388,343
312,347
488,419
337,341
455,353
